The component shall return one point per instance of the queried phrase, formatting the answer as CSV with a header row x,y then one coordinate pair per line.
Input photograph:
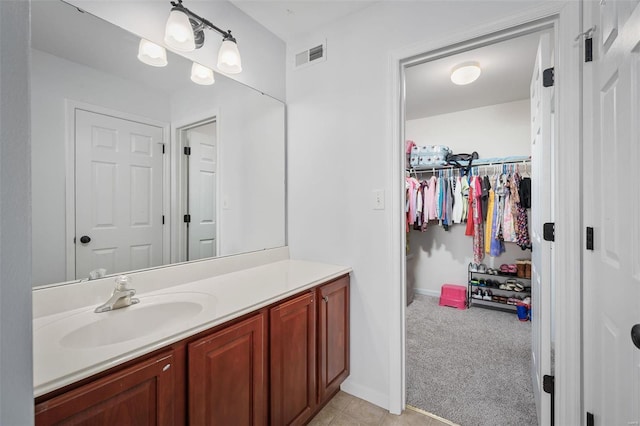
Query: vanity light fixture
x,y
184,32
201,74
465,73
152,54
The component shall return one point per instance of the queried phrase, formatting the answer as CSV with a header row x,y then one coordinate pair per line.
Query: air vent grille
x,y
316,54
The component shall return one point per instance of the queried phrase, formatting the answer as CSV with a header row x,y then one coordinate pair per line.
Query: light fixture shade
x,y
202,75
465,73
229,60
178,33
152,54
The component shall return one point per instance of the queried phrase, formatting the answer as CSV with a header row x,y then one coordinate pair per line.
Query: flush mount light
x,y
152,54
201,74
185,32
465,73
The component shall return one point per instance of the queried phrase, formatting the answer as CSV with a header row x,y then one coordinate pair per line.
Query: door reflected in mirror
x,y
135,166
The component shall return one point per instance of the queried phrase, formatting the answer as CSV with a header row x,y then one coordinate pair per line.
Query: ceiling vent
x,y
314,55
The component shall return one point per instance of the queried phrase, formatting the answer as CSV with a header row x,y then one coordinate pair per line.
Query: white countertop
x,y
223,297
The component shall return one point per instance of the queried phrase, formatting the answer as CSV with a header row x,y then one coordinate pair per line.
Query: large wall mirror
x,y
136,166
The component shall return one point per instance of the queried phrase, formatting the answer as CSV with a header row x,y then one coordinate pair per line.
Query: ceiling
x,y
506,75
294,18
506,66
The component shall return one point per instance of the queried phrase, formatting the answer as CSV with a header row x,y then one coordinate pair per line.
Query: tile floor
x,y
345,409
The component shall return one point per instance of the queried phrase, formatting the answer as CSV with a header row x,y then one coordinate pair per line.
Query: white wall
x,y
16,380
53,80
442,257
262,52
340,131
493,131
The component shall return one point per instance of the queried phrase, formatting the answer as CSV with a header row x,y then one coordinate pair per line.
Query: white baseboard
x,y
427,292
363,392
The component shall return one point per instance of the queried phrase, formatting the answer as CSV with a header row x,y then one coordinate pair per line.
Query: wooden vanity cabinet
x,y
333,337
227,382
309,347
293,360
141,394
276,366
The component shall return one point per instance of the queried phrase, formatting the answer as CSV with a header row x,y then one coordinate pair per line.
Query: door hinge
x,y
549,386
548,77
549,231
591,421
588,49
548,383
187,150
187,218
163,148
589,238
163,219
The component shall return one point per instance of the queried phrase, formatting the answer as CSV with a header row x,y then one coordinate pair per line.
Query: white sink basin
x,y
154,314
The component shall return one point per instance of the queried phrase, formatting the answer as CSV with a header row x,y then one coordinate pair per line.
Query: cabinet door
x,y
293,360
228,375
333,339
142,394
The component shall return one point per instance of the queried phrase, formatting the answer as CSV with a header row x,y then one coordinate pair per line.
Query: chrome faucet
x,y
121,296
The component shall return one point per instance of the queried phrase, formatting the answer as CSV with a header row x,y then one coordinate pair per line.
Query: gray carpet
x,y
469,366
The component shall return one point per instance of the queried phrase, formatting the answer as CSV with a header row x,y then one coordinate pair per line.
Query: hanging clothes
x,y
478,224
456,215
497,246
489,222
522,220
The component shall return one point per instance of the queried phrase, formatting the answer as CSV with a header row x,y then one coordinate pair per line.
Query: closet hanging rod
x,y
476,163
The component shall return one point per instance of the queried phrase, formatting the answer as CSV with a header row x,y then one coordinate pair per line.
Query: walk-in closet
x,y
477,168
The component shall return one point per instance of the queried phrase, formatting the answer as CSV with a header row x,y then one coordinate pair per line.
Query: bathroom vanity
x,y
263,345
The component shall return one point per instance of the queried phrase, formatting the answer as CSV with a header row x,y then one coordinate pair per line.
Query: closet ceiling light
x,y
201,74
152,54
184,32
465,73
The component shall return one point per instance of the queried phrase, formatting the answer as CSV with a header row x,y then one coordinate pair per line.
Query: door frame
x,y
565,18
178,191
71,106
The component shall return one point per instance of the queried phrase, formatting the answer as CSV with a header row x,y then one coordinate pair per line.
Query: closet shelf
x,y
481,162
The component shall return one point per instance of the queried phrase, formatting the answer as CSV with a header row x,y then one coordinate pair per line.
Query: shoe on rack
x,y
482,268
487,295
473,267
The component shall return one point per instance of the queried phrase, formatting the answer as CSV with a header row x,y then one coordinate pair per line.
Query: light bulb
x,y
178,33
201,74
465,73
229,60
152,54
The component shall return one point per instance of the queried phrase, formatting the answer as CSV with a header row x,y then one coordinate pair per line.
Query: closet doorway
x,y
474,365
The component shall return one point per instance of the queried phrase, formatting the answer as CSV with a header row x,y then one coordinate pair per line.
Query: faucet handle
x,y
122,282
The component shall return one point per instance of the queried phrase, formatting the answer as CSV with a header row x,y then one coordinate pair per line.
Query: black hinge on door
x,y
549,231
163,148
187,218
589,238
187,150
163,219
548,77
591,421
549,386
588,49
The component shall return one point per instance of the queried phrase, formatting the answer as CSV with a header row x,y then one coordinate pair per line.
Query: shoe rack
x,y
500,289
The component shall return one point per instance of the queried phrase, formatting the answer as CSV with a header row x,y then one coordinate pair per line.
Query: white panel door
x,y
541,212
202,191
118,194
612,206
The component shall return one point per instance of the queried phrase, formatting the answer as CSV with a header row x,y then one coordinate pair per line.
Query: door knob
x,y
85,239
635,335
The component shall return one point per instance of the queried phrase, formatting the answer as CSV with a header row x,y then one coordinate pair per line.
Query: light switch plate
x,y
378,199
